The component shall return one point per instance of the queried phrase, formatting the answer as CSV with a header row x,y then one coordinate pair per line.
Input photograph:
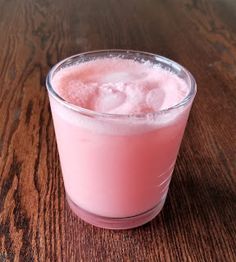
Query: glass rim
x,y
186,100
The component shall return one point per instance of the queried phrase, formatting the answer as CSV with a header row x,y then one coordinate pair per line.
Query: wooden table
x,y
198,222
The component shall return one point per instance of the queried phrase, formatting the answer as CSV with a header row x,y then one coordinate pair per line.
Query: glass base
x,y
116,223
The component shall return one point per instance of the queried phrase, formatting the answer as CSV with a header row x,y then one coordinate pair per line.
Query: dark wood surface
x,y
198,222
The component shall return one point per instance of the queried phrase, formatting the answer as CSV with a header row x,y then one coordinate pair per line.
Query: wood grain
x,y
198,220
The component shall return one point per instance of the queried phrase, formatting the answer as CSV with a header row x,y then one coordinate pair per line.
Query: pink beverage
x,y
119,118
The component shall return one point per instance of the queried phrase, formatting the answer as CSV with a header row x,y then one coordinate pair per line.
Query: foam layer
x,y
119,86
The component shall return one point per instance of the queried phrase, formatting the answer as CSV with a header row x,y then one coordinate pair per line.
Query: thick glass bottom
x,y
116,223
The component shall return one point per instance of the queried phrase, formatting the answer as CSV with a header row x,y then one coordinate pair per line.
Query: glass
x,y
117,168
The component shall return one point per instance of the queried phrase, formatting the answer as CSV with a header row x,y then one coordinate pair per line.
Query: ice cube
x,y
109,99
155,98
81,94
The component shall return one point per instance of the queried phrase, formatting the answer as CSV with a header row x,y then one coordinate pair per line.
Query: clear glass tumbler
x,y
117,168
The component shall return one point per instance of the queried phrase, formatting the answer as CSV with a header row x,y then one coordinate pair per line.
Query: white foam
x,y
118,86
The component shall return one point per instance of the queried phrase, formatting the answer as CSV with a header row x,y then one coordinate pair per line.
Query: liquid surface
x,y
119,86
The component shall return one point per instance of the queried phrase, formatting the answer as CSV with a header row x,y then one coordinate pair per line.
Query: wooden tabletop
x,y
198,222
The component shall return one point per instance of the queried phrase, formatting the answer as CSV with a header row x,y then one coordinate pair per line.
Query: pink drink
x,y
117,141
